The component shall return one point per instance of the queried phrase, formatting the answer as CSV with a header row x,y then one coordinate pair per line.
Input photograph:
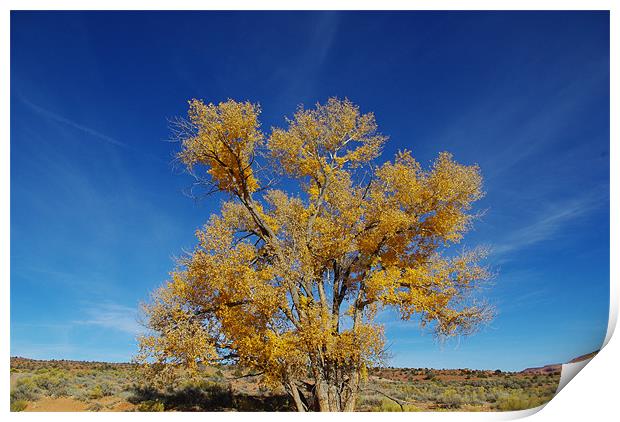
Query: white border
x,y
590,397
310,5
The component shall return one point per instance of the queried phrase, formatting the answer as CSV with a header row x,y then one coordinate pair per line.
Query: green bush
x,y
451,398
388,405
96,392
151,406
25,389
52,383
430,375
106,389
18,405
517,401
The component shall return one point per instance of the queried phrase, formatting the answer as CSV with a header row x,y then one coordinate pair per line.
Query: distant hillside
x,y
547,369
557,367
584,357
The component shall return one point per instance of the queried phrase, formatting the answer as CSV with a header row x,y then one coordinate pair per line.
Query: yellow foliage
x,y
331,136
289,284
226,136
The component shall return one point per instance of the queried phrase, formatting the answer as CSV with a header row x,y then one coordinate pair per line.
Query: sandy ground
x,y
61,404
67,404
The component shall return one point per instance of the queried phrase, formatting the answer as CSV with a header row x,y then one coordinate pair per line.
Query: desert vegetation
x,y
95,386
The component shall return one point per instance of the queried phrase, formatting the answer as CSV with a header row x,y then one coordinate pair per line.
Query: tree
x,y
288,284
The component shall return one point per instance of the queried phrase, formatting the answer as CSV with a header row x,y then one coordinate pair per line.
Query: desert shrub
x,y
99,391
411,408
387,405
512,384
518,401
450,398
430,375
25,389
493,394
52,383
95,392
150,406
96,407
372,402
480,394
127,393
107,389
18,405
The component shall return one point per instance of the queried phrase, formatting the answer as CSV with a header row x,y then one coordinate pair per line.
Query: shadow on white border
x,y
569,370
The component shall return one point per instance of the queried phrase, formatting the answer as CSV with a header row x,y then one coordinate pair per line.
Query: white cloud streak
x,y
61,119
113,316
548,224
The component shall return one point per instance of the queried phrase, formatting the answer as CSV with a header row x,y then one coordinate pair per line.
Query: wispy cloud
x,y
113,316
324,35
61,119
302,72
549,223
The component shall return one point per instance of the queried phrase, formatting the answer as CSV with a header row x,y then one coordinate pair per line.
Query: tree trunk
x,y
332,387
321,395
351,390
329,397
298,398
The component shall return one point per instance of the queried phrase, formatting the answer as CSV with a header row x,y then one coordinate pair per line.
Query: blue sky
x,y
97,209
